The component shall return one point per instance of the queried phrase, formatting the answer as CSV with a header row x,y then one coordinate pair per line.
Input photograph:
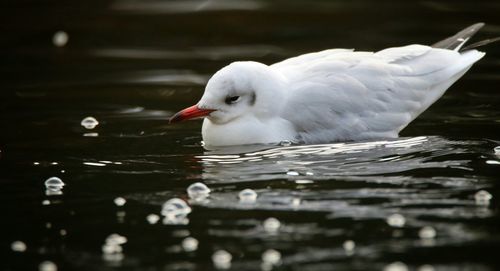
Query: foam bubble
x,y
198,191
222,259
175,211
119,201
426,267
60,38
396,220
89,123
18,246
189,244
271,225
349,246
247,196
153,218
54,184
116,239
483,197
427,232
47,266
396,266
272,257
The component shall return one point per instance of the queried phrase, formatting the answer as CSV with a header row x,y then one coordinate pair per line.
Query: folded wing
x,y
348,95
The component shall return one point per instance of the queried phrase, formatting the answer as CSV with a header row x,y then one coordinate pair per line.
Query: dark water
x,y
131,64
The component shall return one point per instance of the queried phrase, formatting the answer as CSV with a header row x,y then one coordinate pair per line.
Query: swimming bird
x,y
331,95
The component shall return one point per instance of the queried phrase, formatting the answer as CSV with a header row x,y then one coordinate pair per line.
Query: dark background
x,y
131,64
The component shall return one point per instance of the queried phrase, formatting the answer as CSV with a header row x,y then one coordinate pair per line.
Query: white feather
x,y
362,95
332,95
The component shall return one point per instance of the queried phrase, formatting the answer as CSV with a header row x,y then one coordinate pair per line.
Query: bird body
x,y
332,95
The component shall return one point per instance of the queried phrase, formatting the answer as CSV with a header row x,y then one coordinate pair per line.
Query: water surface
x,y
132,64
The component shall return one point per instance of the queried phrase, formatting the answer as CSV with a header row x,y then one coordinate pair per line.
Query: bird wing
x,y
350,95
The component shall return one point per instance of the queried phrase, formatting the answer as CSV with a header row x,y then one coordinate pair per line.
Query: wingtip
x,y
477,26
456,41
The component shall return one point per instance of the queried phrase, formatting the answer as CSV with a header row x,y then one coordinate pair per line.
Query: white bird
x,y
332,95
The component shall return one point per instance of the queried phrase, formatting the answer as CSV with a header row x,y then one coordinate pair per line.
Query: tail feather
x,y
479,44
456,41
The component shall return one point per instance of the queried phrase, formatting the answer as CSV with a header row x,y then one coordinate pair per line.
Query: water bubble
x,y
89,123
175,220
198,191
60,38
247,196
396,220
91,134
175,211
497,150
296,202
222,259
18,246
427,232
175,207
116,239
49,192
271,225
111,249
47,266
483,197
426,267
303,181
119,201
54,184
272,257
113,258
46,202
349,246
292,173
190,244
286,143
153,218
120,216
36,163
396,266
63,232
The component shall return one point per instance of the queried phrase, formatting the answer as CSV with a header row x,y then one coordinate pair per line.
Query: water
x,y
131,64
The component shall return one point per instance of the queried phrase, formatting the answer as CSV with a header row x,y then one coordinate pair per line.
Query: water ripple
x,y
334,160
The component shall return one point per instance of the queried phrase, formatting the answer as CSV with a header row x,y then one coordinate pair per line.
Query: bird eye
x,y
232,99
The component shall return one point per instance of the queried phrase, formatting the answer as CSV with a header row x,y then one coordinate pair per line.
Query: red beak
x,y
192,112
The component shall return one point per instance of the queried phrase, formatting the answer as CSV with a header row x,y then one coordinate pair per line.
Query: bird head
x,y
236,90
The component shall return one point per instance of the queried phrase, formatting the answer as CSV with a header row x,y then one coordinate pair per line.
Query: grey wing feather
x,y
479,44
456,41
